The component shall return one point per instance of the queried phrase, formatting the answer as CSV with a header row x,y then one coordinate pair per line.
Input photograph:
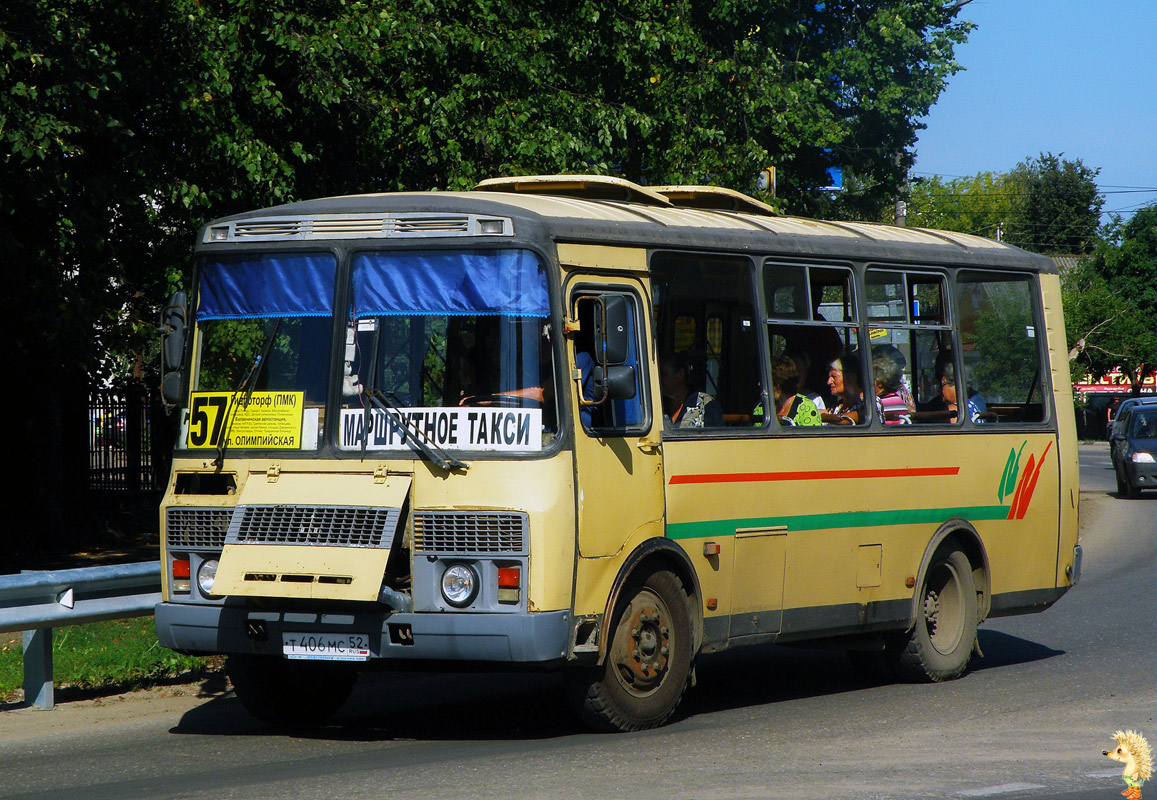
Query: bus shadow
x,y
1003,650
490,706
388,706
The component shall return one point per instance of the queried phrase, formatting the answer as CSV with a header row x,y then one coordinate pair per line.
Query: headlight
x,y
459,585
1142,458
206,574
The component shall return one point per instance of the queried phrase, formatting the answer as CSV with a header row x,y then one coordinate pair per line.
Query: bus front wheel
x,y
939,646
648,661
282,692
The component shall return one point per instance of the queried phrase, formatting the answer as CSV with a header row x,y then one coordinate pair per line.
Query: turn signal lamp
x,y
180,583
509,584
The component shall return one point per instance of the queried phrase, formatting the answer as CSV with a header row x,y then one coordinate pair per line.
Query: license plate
x,y
326,646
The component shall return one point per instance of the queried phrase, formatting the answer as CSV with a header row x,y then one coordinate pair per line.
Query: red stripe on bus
x,y
815,475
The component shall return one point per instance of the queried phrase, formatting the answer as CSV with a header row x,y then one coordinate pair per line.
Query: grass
x,y
113,656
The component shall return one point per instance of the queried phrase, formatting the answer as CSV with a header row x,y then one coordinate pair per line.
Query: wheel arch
x,y
654,554
964,535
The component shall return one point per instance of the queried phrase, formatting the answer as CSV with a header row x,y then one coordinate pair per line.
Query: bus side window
x,y
1001,348
707,342
911,340
811,321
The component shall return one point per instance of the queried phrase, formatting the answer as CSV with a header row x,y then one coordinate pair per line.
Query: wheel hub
x,y
943,612
642,644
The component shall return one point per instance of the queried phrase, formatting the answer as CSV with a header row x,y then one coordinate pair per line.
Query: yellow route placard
x,y
264,419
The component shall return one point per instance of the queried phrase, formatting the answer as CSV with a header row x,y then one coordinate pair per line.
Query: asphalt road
x,y
1029,720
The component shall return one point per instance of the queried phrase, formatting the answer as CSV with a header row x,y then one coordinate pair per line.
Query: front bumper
x,y
1141,476
505,638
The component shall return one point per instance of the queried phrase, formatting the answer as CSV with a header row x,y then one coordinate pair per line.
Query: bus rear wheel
x,y
648,661
286,693
939,646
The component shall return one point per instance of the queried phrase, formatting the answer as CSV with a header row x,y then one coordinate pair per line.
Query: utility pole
x,y
901,206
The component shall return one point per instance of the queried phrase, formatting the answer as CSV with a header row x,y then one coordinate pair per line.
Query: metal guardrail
x,y
35,602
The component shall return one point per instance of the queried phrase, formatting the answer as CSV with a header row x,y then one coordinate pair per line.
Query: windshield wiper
x,y
411,434
247,385
389,407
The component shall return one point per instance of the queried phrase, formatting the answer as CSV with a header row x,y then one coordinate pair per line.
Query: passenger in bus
x,y
791,406
682,405
948,392
905,390
803,363
844,379
888,375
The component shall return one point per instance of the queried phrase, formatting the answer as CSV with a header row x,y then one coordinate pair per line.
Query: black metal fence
x,y
128,447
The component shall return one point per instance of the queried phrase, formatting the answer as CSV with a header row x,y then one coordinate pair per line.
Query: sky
x,y
1077,77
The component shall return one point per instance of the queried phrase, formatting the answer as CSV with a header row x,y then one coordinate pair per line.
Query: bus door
x,y
618,460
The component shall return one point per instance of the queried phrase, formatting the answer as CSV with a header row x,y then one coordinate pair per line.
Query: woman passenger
x,y
890,400
791,407
846,384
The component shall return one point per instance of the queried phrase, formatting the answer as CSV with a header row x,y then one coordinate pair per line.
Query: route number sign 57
x,y
261,419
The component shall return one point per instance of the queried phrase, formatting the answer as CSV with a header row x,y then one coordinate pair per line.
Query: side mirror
x,y
173,333
173,330
171,388
612,330
615,382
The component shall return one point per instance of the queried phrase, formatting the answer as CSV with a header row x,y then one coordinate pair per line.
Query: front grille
x,y
338,526
420,225
197,528
354,226
472,532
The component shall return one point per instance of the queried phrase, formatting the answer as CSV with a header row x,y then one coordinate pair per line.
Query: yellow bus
x,y
573,423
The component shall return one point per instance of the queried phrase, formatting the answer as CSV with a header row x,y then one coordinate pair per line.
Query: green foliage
x,y
1110,301
1128,259
1046,204
1006,365
101,655
978,204
1056,209
229,348
124,126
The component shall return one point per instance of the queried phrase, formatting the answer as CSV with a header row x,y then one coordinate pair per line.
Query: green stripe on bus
x,y
847,519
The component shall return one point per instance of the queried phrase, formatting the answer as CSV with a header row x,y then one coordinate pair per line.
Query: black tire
x,y
284,693
939,647
1132,492
1122,484
648,662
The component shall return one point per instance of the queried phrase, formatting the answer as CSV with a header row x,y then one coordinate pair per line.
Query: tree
x,y
1110,302
1045,204
125,126
1056,206
979,204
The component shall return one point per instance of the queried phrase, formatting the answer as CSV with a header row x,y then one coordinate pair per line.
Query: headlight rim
x,y
207,565
474,580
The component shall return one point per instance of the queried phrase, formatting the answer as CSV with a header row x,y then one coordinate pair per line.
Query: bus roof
x,y
598,209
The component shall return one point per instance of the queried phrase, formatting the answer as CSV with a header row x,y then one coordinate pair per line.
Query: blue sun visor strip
x,y
457,282
269,285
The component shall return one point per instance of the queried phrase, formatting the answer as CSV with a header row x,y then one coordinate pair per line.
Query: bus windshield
x,y
458,342
264,325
